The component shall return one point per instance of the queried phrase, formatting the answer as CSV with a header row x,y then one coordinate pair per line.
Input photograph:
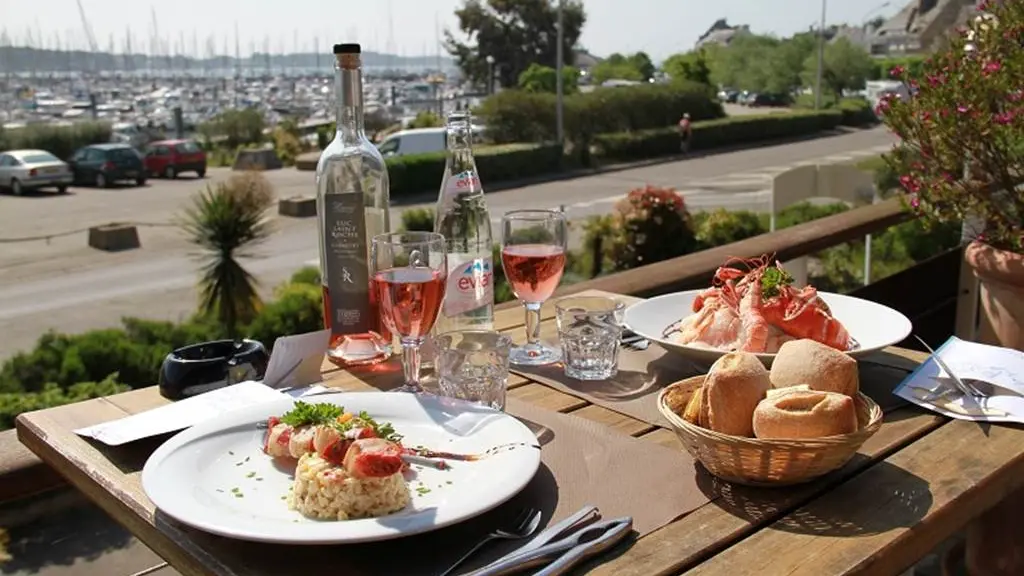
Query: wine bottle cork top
x,y
347,55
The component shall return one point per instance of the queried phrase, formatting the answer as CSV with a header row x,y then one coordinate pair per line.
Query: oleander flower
x,y
961,152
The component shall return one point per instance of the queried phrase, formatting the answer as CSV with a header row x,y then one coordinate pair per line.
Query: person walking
x,y
685,133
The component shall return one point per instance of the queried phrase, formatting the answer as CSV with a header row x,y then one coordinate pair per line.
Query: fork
x,y
525,525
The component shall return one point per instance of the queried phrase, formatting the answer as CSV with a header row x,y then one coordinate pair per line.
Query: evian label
x,y
462,183
470,284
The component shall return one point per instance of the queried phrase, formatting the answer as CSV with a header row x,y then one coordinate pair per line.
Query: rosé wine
x,y
409,299
533,270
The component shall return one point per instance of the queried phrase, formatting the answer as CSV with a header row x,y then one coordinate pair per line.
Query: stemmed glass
x,y
533,245
409,272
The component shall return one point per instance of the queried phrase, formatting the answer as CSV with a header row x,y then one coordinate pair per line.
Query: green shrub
x,y
419,173
727,226
520,116
805,212
857,112
238,127
426,119
714,133
14,403
418,220
309,275
296,309
61,141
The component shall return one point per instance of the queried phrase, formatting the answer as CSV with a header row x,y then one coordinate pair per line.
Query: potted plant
x,y
961,154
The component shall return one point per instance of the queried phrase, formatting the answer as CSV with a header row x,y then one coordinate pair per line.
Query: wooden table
x,y
916,482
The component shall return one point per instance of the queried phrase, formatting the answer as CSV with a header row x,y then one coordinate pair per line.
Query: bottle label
x,y
345,264
462,183
470,284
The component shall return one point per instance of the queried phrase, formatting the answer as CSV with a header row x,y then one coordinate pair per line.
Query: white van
x,y
419,141
416,141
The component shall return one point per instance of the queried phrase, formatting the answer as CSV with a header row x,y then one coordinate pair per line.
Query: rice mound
x,y
324,491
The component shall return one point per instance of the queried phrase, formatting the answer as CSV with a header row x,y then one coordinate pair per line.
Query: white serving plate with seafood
x,y
872,325
216,477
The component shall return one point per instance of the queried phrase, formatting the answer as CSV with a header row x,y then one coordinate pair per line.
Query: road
x,y
62,284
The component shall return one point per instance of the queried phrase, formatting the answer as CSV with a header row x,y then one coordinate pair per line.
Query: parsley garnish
x,y
773,280
304,414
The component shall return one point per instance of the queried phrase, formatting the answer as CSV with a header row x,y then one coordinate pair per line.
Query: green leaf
x,y
311,414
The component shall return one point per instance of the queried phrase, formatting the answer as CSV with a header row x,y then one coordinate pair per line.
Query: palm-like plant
x,y
225,220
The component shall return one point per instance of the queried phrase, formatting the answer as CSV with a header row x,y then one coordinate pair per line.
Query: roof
x,y
108,146
29,152
170,142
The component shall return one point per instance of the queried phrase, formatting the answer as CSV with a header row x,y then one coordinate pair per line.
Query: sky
x,y
406,27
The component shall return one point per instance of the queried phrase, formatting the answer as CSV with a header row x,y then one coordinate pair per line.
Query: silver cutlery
x,y
618,530
633,341
525,525
570,550
960,384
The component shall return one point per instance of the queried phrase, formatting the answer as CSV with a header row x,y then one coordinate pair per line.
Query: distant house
x,y
720,33
921,26
584,60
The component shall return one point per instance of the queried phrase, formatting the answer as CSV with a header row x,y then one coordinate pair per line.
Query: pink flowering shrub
x,y
961,154
651,224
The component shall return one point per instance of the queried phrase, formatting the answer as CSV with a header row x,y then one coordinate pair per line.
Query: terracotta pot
x,y
1001,276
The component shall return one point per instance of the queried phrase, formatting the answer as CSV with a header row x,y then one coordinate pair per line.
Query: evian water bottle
x,y
463,219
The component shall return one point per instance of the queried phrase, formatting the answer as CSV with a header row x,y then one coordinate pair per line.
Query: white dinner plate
x,y
215,476
872,325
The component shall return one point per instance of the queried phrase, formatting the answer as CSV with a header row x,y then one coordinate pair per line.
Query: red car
x,y
168,158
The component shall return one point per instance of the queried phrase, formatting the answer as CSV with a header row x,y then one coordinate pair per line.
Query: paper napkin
x,y
929,386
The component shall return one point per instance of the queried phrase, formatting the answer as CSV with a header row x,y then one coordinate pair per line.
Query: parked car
x,y
168,158
23,170
105,164
769,100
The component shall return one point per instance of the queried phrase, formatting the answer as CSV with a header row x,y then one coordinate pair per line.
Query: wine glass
x,y
533,245
409,272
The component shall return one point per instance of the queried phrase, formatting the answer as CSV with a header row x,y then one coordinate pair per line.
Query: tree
x,y
620,67
691,66
745,64
538,78
845,66
224,220
515,33
642,62
786,62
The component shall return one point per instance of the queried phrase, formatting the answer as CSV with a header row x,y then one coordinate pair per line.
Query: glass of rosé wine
x,y
409,270
533,245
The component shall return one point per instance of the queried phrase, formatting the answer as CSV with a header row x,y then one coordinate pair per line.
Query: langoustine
x,y
757,311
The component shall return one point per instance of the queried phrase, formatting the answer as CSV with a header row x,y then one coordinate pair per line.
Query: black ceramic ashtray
x,y
206,366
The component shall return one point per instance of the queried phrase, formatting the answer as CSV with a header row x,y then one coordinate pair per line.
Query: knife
x,y
615,534
584,515
593,535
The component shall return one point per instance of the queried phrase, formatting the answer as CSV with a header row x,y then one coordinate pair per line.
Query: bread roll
x,y
803,414
780,391
694,407
817,365
732,389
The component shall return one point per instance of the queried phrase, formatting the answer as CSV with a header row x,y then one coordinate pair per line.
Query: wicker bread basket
x,y
775,462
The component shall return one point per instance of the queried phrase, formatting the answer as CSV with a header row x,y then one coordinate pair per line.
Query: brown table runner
x,y
633,391
583,462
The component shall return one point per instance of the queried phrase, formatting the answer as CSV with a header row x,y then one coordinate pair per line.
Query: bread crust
x,y
817,365
736,383
801,414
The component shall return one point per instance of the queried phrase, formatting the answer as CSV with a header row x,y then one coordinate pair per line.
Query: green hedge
x,y
714,133
519,116
419,173
61,141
